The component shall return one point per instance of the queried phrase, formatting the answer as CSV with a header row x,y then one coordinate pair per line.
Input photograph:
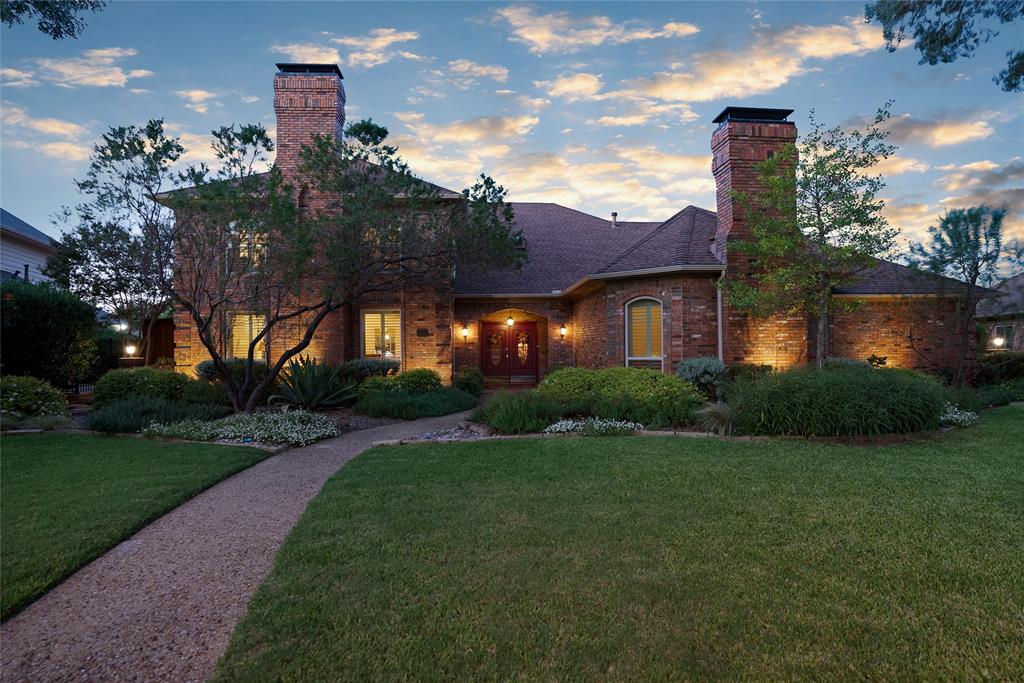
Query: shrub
x,y
470,380
356,371
519,412
593,426
418,381
136,414
313,385
966,398
47,423
876,361
839,362
405,406
708,374
47,332
378,384
636,395
132,382
236,368
846,401
296,428
953,416
1014,389
994,395
749,371
202,392
995,368
30,397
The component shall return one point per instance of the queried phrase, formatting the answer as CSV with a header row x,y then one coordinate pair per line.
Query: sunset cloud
x,y
954,130
985,174
372,49
308,53
197,99
469,68
16,78
97,68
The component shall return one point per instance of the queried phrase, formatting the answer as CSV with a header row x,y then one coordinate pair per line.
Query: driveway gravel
x,y
161,605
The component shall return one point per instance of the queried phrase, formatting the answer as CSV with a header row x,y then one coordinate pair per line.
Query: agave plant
x,y
313,385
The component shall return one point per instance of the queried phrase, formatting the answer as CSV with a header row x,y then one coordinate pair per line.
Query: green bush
x,y
418,381
470,380
847,401
378,384
205,393
749,371
519,412
839,362
708,374
30,397
966,398
236,368
296,428
357,371
47,332
127,383
313,385
994,395
135,414
406,406
995,368
636,395
47,423
1014,389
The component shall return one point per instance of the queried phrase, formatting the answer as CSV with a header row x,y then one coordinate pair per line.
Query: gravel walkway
x,y
162,605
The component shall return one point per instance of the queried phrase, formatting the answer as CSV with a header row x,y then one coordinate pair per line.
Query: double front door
x,y
509,352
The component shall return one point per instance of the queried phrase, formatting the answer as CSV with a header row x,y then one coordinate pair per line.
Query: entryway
x,y
508,353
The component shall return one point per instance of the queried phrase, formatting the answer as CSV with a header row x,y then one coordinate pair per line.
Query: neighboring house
x,y
597,292
23,249
1003,316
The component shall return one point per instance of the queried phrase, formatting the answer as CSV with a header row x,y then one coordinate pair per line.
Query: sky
x,y
598,106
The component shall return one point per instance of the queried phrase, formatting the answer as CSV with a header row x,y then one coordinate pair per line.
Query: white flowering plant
x,y
296,428
954,416
594,426
30,397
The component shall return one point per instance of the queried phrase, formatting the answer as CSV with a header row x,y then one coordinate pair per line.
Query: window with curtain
x,y
382,334
643,334
242,329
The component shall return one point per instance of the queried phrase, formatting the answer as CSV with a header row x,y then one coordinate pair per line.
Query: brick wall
x,y
912,332
590,330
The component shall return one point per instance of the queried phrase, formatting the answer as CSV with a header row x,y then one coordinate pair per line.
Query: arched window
x,y
643,334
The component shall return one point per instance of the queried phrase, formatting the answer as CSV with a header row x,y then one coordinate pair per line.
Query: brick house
x,y
597,292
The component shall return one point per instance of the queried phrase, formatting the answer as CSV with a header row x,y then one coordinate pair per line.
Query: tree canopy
x,y
58,19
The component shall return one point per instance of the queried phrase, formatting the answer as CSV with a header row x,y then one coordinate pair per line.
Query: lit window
x,y
643,334
382,334
242,329
1001,338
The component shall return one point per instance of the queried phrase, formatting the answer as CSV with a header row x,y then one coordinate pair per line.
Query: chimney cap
x,y
289,68
756,114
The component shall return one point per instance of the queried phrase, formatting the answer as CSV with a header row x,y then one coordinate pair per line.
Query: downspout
x,y
721,335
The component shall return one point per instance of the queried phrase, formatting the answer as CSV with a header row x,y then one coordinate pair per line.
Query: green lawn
x,y
654,558
67,498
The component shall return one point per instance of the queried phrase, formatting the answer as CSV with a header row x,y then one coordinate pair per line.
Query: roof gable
x,y
8,221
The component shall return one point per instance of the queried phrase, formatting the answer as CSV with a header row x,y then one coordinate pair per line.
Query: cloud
x,y
486,129
578,86
982,174
16,78
198,99
16,116
640,112
65,150
952,130
23,132
467,68
371,50
308,53
562,33
895,165
532,103
1010,198
912,218
97,67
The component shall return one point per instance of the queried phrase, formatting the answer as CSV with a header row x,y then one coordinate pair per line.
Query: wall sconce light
x,y
562,331
510,322
130,350
465,333
121,327
998,342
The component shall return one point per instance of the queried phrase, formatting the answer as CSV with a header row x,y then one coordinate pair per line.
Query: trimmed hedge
x,y
125,383
846,401
649,397
136,414
31,397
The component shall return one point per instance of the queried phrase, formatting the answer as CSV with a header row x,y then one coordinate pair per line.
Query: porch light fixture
x,y
130,350
121,327
998,342
562,331
510,322
465,332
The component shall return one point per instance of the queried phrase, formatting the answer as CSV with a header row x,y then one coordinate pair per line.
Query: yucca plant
x,y
313,385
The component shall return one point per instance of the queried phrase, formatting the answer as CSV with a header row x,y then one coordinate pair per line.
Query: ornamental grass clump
x,y
840,402
296,428
519,412
136,414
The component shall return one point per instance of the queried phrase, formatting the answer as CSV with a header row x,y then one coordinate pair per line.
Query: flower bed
x,y
296,428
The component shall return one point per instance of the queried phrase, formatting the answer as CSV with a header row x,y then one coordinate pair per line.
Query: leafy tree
x,y
967,246
945,30
118,255
47,332
56,18
364,224
816,224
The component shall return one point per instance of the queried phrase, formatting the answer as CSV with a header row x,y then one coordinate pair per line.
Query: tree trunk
x,y
821,342
965,337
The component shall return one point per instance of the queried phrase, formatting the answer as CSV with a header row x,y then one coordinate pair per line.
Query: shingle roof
x,y
1011,302
893,278
684,239
11,222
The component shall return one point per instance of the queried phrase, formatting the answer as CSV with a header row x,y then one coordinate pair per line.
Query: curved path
x,y
162,604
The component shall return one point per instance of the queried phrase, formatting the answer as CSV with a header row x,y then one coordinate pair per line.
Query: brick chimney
x,y
744,137
309,99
